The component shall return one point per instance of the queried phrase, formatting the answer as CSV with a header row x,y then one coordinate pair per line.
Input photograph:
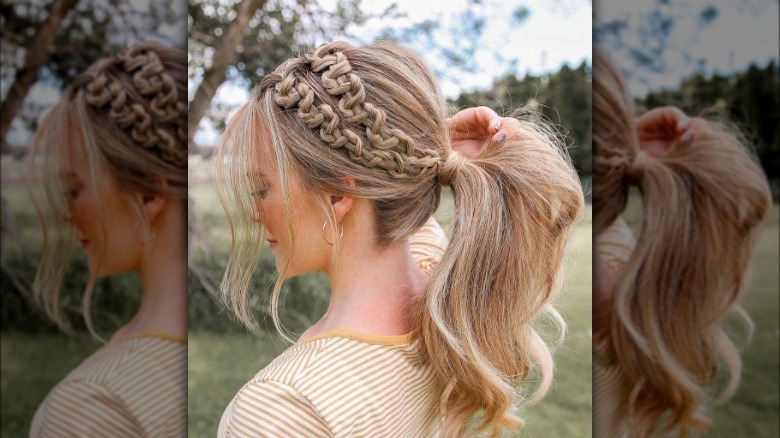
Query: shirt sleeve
x,y
614,246
84,409
428,245
271,409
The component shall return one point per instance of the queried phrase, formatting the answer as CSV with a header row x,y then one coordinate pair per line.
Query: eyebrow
x,y
68,175
257,175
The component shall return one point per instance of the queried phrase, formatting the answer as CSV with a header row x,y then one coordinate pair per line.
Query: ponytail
x,y
515,204
701,207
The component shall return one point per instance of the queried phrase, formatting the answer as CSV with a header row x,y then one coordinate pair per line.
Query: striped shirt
x,y
610,392
614,245
346,384
132,387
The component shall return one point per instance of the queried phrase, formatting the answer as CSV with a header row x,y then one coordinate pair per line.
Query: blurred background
x,y
44,45
502,54
718,58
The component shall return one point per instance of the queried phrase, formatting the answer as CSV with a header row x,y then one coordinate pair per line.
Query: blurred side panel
x,y
686,176
46,46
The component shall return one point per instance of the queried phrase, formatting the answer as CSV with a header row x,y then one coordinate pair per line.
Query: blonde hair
x,y
376,114
702,205
127,114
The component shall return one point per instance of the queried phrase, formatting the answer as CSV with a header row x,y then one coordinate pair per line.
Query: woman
x,y
335,163
116,148
660,297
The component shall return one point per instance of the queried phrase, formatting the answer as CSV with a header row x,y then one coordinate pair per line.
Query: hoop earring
x,y
341,235
137,227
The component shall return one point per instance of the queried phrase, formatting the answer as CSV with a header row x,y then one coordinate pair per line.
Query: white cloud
x,y
742,33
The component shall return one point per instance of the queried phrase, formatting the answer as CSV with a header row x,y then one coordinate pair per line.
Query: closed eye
x,y
72,193
260,193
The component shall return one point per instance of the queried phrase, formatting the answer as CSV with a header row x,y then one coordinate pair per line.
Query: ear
x,y
342,204
154,204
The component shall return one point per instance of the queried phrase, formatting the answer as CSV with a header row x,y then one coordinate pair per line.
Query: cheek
x,y
84,216
312,252
272,217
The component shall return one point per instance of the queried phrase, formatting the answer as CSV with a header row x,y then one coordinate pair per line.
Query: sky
x,y
558,32
743,31
555,32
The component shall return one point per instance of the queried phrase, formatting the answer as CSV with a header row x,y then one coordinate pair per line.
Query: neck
x,y
163,273
372,290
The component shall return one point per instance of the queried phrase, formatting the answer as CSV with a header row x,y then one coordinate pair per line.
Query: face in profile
x,y
106,225
308,251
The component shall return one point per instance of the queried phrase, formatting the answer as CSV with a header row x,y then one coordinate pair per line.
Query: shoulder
x,y
138,369
335,385
615,244
343,356
271,408
138,386
84,408
428,244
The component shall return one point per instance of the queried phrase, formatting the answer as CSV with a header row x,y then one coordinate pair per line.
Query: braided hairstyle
x,y
144,98
376,114
126,115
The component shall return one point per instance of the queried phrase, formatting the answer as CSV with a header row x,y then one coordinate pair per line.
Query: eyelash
x,y
72,193
260,193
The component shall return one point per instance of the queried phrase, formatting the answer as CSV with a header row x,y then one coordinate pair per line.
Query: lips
x,y
271,242
84,243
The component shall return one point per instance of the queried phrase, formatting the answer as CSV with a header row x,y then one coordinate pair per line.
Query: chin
x,y
104,270
100,273
292,271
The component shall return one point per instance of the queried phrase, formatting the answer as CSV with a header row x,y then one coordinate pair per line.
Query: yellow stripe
x,y
362,337
131,387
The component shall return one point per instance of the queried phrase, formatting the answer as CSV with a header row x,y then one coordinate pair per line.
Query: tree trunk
x,y
37,55
224,56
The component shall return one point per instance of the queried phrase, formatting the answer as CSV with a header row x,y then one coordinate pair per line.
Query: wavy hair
x,y
702,205
376,114
126,115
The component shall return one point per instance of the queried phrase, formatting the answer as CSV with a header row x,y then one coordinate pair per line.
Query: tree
x,y
49,42
224,56
36,54
562,97
241,42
